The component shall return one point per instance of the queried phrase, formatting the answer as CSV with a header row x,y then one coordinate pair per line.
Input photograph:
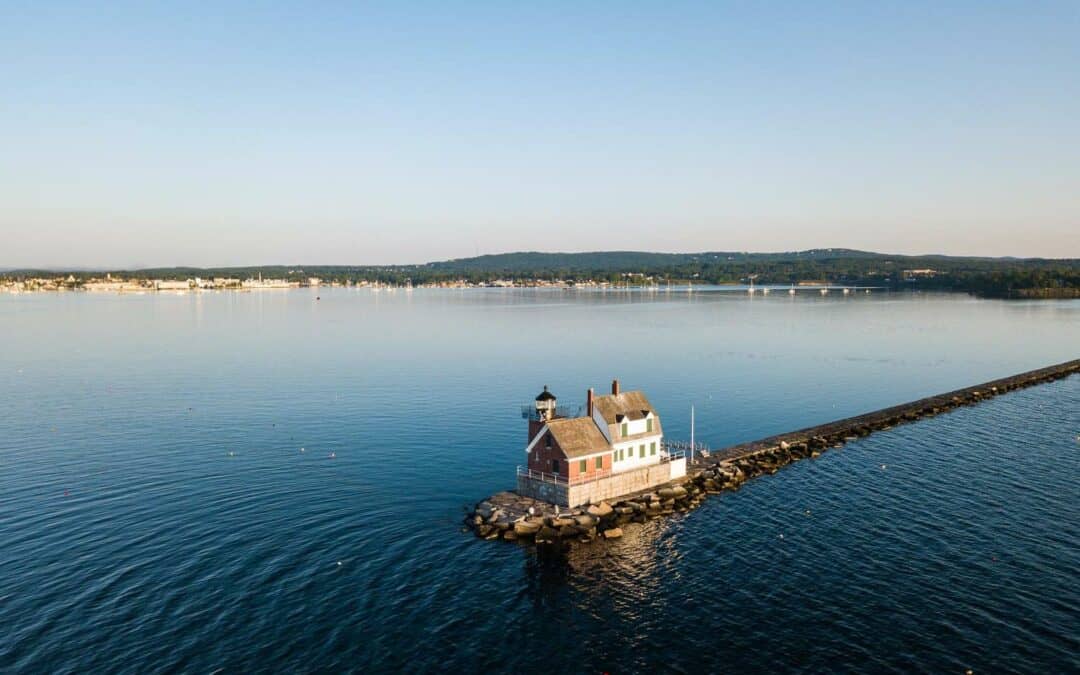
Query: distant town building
x,y
269,283
110,285
915,274
170,285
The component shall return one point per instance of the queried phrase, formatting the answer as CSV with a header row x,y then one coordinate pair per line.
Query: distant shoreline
x,y
1023,278
131,288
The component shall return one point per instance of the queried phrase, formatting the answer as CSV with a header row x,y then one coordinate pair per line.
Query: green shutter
x,y
648,424
641,451
652,448
582,466
599,462
625,429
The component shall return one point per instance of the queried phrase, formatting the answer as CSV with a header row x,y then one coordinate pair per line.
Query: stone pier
x,y
514,516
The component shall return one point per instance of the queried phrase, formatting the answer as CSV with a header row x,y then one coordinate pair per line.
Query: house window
x,y
582,466
554,466
547,441
599,462
625,429
648,425
652,448
641,452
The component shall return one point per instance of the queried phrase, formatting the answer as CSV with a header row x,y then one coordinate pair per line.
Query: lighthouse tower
x,y
543,413
545,405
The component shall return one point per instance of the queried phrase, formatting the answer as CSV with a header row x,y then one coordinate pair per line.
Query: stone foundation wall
x,y
622,484
603,489
553,493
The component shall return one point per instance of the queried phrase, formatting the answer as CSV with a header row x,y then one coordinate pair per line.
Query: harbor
x,y
531,516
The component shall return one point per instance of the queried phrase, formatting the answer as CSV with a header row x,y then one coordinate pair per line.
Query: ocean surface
x,y
275,481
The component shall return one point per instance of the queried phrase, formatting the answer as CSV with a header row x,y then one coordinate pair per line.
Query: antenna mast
x,y
691,434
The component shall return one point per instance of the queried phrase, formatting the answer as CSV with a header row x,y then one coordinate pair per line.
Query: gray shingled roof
x,y
631,405
578,436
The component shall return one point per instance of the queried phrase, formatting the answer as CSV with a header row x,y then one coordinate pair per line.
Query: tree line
x,y
992,277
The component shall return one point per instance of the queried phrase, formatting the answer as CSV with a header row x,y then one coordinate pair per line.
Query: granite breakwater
x,y
512,517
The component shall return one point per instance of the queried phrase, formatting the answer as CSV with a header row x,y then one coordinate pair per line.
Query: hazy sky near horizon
x,y
135,135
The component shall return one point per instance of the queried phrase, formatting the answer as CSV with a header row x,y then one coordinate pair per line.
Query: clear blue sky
x,y
405,132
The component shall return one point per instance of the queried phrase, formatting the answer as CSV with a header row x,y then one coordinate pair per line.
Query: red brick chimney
x,y
588,403
615,387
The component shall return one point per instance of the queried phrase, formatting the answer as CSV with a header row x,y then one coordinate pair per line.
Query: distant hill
x,y
626,261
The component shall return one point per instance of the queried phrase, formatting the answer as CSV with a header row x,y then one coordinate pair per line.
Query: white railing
x,y
541,476
684,446
529,411
559,479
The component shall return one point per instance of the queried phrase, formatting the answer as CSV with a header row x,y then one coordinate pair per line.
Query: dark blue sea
x,y
275,481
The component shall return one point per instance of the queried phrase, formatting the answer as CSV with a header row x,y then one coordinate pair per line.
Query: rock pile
x,y
506,515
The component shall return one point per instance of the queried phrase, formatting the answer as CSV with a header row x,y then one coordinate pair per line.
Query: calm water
x,y
168,500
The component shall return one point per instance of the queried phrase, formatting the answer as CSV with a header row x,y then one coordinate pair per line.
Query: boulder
x,y
569,531
666,493
525,528
586,520
679,492
600,510
613,533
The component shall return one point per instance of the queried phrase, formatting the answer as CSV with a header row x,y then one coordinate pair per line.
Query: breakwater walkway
x,y
509,516
862,425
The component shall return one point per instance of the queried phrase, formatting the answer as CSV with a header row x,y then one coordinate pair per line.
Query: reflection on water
x,y
157,512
